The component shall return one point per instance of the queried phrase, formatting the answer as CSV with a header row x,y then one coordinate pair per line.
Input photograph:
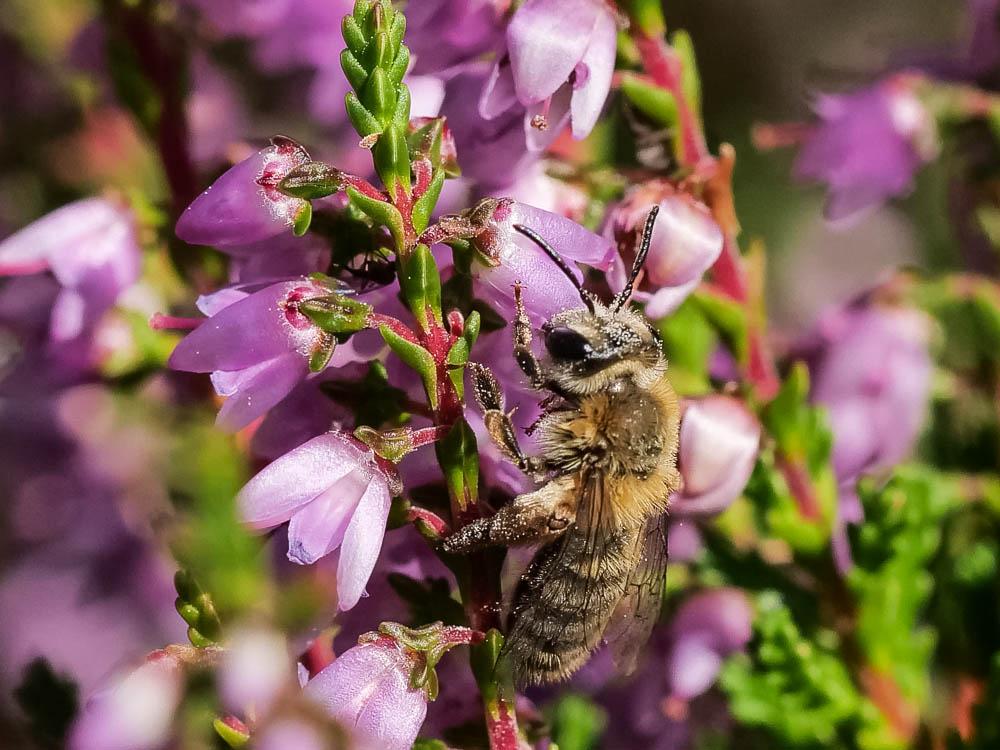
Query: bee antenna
x,y
640,260
532,235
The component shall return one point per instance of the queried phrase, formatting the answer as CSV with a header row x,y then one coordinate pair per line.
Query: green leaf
x,y
311,180
362,120
688,341
797,691
729,318
381,212
577,722
424,205
421,285
392,159
353,70
891,581
354,37
690,83
459,460
337,314
302,220
650,99
417,358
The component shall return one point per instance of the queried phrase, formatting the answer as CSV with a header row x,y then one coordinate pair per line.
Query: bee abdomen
x,y
562,609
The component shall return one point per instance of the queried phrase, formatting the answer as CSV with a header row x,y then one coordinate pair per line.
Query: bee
x,y
606,469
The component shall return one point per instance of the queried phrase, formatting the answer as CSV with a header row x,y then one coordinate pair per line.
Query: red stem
x,y
664,68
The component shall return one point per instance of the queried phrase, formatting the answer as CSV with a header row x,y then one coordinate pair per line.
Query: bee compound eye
x,y
565,343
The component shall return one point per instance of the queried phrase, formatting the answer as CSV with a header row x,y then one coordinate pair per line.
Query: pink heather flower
x,y
336,496
559,61
367,689
545,289
707,628
867,146
244,205
719,440
255,668
135,714
492,151
686,242
91,248
257,347
872,371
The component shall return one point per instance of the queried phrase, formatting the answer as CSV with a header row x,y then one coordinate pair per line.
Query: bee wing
x,y
547,591
639,608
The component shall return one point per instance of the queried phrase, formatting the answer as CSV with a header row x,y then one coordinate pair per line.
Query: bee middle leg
x,y
538,516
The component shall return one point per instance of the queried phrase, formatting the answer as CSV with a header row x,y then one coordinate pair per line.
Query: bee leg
x,y
497,421
538,516
522,342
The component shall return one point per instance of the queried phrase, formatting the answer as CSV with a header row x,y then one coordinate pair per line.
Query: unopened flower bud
x,y
719,440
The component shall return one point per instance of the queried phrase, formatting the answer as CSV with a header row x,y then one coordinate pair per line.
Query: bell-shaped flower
x,y
871,369
257,346
707,628
514,259
136,713
91,248
335,495
368,690
867,146
719,440
245,205
559,62
686,241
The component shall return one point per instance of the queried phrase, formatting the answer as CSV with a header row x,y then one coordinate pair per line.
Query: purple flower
x,y
686,242
136,713
517,259
559,61
718,448
445,33
367,689
867,146
255,668
871,369
91,248
708,627
492,151
336,496
244,205
256,347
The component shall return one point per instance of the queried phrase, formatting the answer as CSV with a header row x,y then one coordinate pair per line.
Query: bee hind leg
x,y
533,517
497,421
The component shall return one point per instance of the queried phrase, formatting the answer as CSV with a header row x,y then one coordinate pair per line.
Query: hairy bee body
x,y
606,470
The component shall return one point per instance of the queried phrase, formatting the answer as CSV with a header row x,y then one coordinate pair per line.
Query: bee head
x,y
587,350
590,347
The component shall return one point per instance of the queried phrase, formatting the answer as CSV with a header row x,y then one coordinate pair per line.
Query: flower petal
x,y
571,240
362,542
546,39
393,715
247,332
318,528
599,59
251,392
300,475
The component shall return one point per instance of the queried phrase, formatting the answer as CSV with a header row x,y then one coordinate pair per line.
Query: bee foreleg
x,y
522,343
538,516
